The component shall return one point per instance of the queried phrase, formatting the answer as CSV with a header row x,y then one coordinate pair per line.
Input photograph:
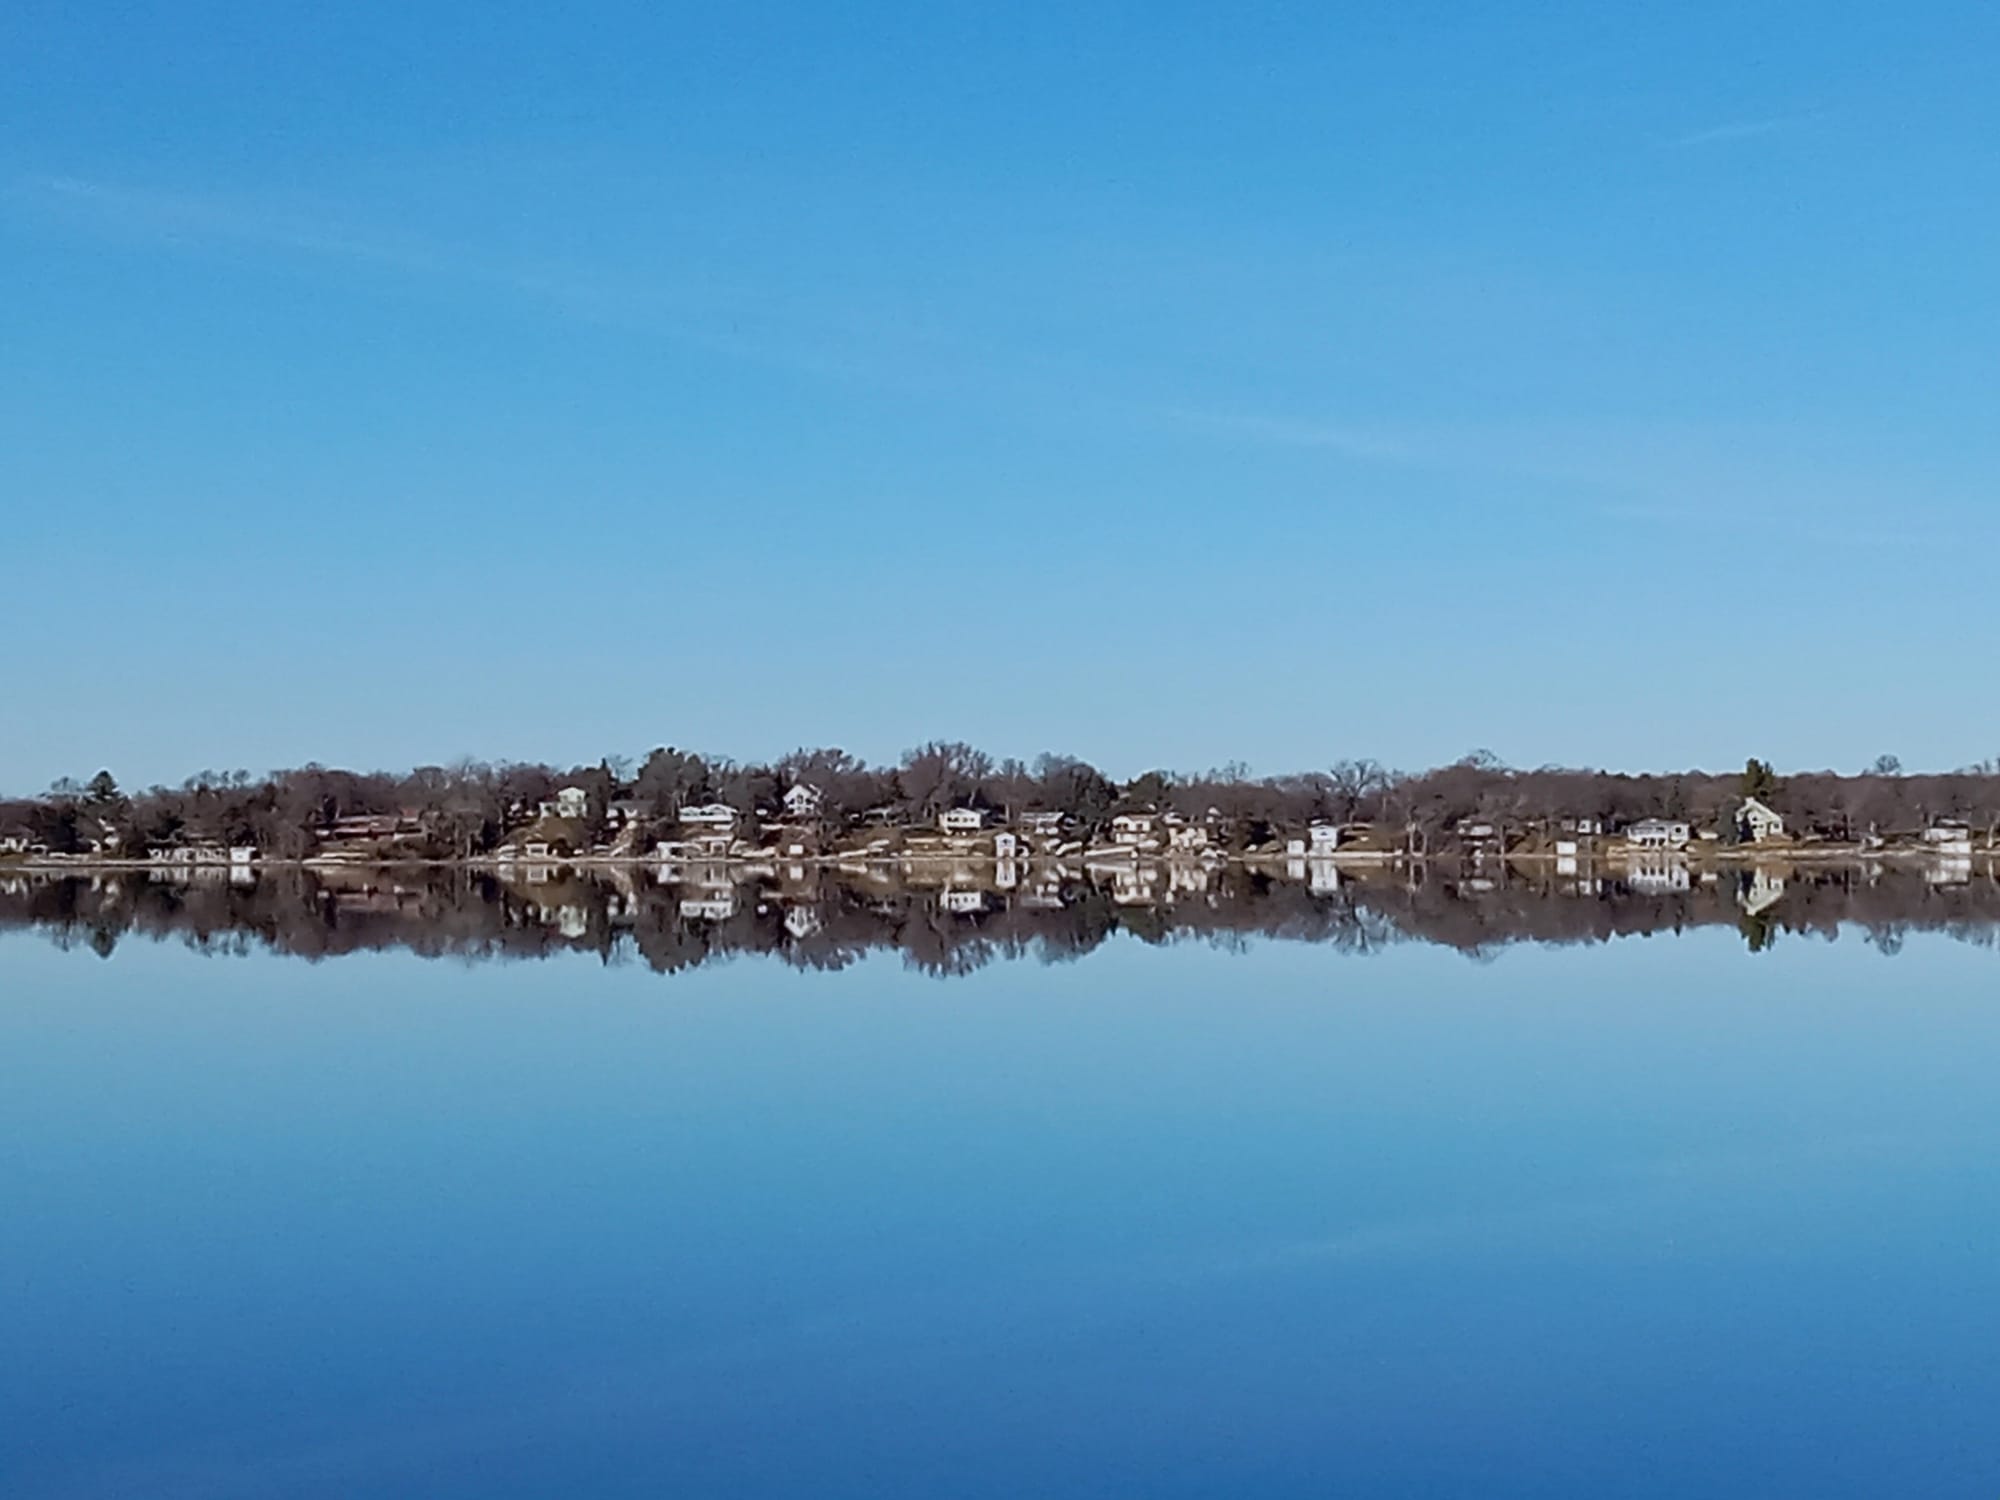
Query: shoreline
x,y
1109,858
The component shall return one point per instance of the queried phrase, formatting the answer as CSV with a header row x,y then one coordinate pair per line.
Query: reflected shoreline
x,y
946,916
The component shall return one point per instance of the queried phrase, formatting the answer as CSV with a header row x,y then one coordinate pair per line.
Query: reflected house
x,y
1948,870
1045,894
1567,850
1134,885
1659,833
1659,874
716,906
1761,891
961,820
1758,823
1185,878
1322,876
803,802
1006,875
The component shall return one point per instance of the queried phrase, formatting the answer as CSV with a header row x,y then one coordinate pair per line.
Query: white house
x,y
709,815
1323,838
802,921
803,801
1758,822
1006,845
570,802
1135,829
1658,833
1949,836
14,843
1187,838
962,820
1042,825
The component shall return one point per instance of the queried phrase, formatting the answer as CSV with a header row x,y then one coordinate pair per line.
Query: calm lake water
x,y
1655,1216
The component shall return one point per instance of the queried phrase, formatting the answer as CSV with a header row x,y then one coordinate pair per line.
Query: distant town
x,y
949,801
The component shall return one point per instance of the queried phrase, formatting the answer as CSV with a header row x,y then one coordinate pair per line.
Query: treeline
x,y
468,808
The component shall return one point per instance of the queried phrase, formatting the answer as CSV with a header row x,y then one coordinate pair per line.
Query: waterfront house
x,y
719,815
570,802
1659,833
1006,845
1042,825
1758,823
15,842
1322,838
961,820
370,826
1187,838
624,812
803,802
1583,827
1135,830
1949,836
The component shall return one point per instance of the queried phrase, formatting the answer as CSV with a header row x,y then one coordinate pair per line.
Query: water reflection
x,y
948,918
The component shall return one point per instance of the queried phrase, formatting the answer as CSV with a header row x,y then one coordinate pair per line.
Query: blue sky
x,y
1162,384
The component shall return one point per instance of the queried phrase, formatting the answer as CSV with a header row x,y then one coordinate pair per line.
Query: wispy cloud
x,y
1741,130
726,321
